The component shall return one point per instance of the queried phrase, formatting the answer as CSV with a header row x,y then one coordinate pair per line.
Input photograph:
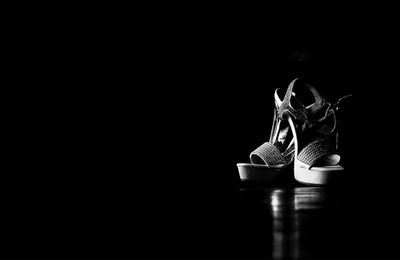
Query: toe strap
x,y
318,151
267,154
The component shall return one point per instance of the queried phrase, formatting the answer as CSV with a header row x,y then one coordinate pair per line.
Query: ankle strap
x,y
303,113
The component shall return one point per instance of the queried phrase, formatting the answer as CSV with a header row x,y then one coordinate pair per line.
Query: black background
x,y
129,124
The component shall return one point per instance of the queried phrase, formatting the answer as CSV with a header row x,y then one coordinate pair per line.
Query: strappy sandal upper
x,y
315,132
278,151
315,125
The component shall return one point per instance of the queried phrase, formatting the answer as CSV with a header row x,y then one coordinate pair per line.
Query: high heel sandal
x,y
314,129
271,160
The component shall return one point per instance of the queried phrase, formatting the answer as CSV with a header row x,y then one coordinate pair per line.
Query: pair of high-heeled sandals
x,y
303,138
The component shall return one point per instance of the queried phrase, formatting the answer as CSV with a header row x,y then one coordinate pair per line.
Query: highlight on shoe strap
x,y
303,113
267,154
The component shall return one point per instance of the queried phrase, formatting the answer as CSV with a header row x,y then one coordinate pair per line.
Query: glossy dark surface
x,y
297,222
302,222
114,218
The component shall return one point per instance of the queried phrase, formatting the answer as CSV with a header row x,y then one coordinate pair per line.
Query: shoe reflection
x,y
292,213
